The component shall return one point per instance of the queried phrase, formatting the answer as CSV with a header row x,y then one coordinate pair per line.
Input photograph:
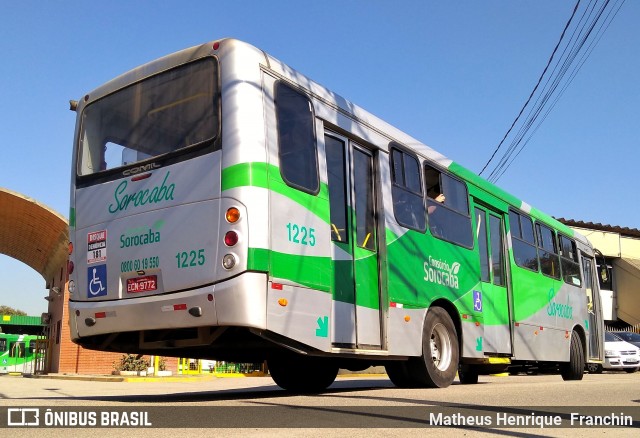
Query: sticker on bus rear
x,y
97,247
96,281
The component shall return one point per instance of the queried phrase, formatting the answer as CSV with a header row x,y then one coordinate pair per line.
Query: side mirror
x,y
604,274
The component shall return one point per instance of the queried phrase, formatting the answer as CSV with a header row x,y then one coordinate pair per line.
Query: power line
x,y
534,89
585,36
600,32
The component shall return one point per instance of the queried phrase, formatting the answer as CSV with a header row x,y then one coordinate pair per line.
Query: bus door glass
x,y
493,301
354,244
593,307
17,354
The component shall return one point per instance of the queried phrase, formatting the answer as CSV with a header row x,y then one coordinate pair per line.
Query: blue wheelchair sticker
x,y
477,301
97,281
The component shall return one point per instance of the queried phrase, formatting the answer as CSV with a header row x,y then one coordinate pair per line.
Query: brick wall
x,y
67,357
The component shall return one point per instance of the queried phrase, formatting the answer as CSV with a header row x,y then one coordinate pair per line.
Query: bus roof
x,y
334,100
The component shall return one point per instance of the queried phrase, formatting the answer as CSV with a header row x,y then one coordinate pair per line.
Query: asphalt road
x,y
353,406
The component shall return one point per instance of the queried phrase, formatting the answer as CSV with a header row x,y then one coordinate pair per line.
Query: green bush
x,y
131,362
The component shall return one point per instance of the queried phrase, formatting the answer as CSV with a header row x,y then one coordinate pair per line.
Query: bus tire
x,y
302,374
468,374
631,370
437,366
574,369
399,374
594,368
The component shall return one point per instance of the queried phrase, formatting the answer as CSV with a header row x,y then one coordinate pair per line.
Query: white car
x,y
620,355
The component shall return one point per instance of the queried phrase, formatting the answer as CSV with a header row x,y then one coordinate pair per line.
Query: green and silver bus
x,y
224,206
19,353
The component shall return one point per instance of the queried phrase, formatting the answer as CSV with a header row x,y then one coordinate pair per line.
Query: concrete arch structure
x,y
34,234
38,236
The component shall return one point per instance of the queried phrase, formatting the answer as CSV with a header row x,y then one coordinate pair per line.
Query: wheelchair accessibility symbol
x,y
97,281
477,301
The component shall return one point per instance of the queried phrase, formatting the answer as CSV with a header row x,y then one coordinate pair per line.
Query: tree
x,y
6,310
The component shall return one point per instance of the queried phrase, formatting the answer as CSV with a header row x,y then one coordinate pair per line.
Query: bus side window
x,y
3,345
548,251
408,202
569,261
448,207
523,240
296,139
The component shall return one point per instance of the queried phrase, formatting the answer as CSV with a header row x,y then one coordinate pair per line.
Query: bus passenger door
x,y
17,356
593,307
494,299
355,285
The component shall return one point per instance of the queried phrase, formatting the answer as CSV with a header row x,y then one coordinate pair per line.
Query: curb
x,y
110,378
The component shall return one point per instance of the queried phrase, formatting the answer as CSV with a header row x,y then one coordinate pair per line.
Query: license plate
x,y
142,284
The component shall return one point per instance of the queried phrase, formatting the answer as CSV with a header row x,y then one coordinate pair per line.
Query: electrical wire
x,y
586,34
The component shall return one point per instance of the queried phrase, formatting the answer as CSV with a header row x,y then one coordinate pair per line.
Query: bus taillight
x,y
231,238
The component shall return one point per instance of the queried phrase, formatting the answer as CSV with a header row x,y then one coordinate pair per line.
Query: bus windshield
x,y
161,114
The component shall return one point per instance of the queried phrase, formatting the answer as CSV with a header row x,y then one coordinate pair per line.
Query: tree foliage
x,y
6,310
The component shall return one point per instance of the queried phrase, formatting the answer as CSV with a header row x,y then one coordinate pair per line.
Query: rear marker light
x,y
283,302
70,248
228,261
70,267
140,177
72,286
231,238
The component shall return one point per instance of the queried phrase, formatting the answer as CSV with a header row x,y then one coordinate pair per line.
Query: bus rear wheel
x,y
437,366
574,369
302,374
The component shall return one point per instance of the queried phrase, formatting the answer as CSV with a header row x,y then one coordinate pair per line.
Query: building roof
x,y
624,231
33,233
20,320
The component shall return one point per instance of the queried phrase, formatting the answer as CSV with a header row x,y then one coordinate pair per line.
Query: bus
x,y
226,207
19,353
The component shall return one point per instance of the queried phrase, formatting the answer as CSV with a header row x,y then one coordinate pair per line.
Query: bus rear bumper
x,y
240,301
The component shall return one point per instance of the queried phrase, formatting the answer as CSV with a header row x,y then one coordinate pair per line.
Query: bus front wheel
x,y
468,374
302,374
399,374
574,369
437,366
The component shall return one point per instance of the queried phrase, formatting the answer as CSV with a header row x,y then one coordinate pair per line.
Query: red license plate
x,y
142,284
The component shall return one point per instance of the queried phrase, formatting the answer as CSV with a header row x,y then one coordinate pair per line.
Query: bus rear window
x,y
161,114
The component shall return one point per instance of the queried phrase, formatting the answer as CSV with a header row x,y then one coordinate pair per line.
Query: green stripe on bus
x,y
259,174
309,271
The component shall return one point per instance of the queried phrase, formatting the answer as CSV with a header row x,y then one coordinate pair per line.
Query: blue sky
x,y
452,74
